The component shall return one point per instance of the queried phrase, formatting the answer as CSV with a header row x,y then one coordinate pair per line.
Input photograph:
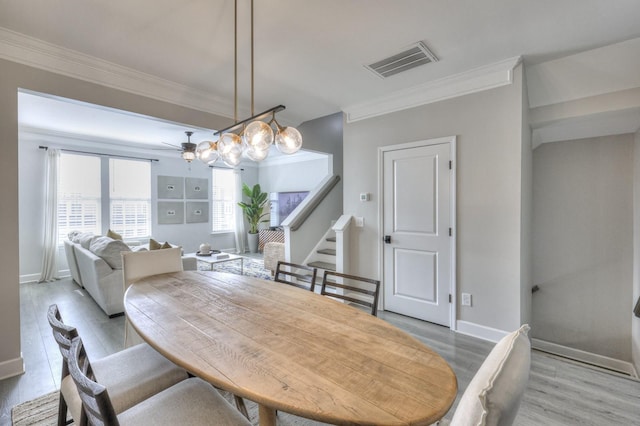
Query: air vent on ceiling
x,y
418,54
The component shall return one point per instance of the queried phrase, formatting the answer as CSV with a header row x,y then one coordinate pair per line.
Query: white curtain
x,y
240,232
50,242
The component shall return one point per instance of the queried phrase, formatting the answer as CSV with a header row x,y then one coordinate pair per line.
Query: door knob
x,y
387,239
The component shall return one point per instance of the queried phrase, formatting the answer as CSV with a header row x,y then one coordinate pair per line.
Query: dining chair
x,y
301,276
494,394
131,375
190,402
141,264
352,289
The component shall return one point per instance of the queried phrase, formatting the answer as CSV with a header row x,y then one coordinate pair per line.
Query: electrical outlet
x,y
359,222
466,299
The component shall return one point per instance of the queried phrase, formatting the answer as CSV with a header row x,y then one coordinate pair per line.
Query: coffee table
x,y
219,258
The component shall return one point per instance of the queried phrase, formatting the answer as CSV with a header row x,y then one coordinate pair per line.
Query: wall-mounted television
x,y
282,204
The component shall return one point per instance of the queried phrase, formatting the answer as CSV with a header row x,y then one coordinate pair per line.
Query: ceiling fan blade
x,y
172,145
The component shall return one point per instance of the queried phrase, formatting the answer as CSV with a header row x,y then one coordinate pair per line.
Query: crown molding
x,y
40,54
472,81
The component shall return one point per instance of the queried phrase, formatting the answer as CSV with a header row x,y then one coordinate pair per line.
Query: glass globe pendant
x,y
258,135
255,154
230,149
288,139
207,152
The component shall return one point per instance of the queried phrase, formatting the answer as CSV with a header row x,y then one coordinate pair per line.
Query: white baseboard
x,y
33,278
586,357
12,367
480,331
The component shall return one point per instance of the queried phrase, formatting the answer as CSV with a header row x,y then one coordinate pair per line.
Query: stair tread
x,y
323,265
332,239
331,252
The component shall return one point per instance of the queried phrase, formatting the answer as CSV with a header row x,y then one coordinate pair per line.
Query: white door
x,y
416,226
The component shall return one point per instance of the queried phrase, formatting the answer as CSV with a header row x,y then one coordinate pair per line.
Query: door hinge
x,y
450,299
450,164
450,232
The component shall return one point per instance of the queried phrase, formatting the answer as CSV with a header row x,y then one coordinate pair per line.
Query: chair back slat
x,y
293,274
363,293
96,403
63,335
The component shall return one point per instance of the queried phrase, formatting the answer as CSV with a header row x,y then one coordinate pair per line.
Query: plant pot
x,y
253,242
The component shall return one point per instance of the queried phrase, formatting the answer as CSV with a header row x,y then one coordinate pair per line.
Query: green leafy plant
x,y
253,209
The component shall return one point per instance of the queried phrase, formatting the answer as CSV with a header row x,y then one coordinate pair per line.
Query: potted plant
x,y
253,212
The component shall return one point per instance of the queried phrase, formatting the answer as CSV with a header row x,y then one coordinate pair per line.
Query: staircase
x,y
324,256
329,253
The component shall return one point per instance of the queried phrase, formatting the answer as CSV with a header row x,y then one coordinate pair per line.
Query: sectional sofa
x,y
95,263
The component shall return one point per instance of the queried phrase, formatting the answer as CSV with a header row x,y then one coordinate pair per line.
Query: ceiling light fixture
x,y
188,149
253,140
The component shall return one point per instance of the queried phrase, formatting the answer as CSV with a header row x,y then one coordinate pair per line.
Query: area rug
x,y
43,411
252,268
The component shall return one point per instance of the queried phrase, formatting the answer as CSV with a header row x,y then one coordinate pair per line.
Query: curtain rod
x,y
102,155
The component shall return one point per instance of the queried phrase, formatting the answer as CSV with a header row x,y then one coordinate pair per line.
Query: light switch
x,y
359,222
365,196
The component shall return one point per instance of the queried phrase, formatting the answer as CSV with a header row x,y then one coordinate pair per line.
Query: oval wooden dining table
x,y
291,350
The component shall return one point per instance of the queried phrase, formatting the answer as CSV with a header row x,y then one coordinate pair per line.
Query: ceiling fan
x,y
187,149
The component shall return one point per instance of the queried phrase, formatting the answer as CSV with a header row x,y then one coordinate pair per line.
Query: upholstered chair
x,y
128,379
190,402
493,395
141,264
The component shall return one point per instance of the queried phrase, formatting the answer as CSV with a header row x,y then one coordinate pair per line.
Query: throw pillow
x,y
85,239
493,396
114,235
154,245
110,250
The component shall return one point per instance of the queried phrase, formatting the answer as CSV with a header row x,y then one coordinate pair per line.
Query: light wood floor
x,y
560,392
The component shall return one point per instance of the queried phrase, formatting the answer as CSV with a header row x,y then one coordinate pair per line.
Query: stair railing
x,y
311,202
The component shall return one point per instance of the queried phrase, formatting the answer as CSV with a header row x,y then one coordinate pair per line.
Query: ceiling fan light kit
x,y
253,140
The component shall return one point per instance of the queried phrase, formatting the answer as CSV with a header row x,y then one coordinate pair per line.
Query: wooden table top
x,y
291,350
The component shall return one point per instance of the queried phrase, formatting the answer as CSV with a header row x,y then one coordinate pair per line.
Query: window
x,y
130,197
80,189
79,201
223,200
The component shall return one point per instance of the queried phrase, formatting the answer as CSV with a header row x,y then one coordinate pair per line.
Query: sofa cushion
x,y
110,250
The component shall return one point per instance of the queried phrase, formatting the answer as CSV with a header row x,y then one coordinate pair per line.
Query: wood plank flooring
x,y
560,392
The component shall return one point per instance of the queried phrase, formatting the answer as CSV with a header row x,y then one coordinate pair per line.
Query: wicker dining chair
x,y
190,402
301,276
129,380
352,289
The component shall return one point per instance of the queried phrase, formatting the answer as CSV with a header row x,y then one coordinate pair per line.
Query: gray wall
x,y
583,244
15,76
489,193
299,176
635,321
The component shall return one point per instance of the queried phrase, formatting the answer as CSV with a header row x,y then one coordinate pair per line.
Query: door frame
x,y
451,140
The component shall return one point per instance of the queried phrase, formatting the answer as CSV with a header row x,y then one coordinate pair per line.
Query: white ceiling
x,y
310,55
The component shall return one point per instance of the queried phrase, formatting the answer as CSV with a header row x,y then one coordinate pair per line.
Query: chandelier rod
x,y
253,117
252,111
235,62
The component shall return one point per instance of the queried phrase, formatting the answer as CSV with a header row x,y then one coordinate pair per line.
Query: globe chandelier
x,y
252,137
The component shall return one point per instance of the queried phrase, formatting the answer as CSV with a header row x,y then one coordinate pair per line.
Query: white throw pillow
x,y
109,249
493,396
85,239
